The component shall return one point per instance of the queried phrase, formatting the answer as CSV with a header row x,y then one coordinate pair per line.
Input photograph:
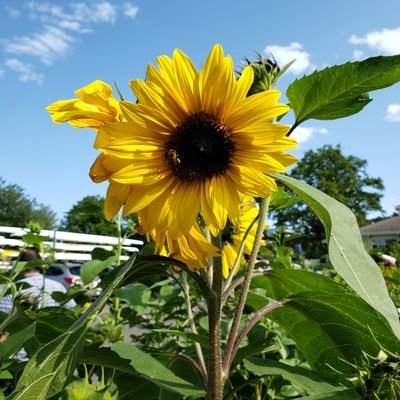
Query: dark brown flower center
x,y
200,148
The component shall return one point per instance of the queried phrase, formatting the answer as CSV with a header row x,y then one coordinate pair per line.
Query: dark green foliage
x,y
18,209
344,178
86,216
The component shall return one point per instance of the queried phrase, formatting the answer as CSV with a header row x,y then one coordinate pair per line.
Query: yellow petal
x,y
115,198
251,182
184,207
141,196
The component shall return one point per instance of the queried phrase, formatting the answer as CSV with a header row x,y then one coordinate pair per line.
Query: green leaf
x,y
282,199
90,269
98,253
105,357
53,322
303,379
33,239
5,375
153,370
332,330
135,387
48,371
341,90
136,294
154,265
344,395
15,341
203,340
280,284
346,250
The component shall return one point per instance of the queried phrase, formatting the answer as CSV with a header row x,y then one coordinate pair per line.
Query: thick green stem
x,y
215,380
229,351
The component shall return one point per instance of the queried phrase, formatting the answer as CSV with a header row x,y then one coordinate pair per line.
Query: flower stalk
x,y
215,378
233,334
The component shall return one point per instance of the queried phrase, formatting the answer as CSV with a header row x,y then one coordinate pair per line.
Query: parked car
x,y
69,275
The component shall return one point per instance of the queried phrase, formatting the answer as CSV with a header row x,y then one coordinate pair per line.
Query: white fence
x,y
65,246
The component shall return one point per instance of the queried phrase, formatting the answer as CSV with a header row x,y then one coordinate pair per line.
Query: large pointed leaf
x,y
280,284
135,387
48,371
332,330
153,265
15,341
346,250
303,379
156,372
105,357
341,90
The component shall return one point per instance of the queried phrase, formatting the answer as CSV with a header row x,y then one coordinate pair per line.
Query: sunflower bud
x,y
266,73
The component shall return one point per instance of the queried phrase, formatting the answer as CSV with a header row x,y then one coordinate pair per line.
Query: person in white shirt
x,y
39,290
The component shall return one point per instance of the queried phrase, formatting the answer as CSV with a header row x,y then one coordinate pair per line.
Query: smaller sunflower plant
x,y
197,155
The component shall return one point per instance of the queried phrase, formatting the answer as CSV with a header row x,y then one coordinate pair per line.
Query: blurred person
x,y
40,288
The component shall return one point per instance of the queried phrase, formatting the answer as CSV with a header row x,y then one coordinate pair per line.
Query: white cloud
x,y
13,12
130,10
285,54
393,113
43,11
103,12
385,41
358,54
60,27
70,25
48,45
304,134
25,72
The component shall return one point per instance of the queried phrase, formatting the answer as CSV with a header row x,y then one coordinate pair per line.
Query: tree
x,y
342,177
18,209
86,216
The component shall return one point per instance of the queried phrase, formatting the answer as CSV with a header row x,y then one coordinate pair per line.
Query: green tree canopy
x,y
342,177
86,216
18,209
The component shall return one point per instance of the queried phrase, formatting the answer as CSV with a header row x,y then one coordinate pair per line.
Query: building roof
x,y
388,226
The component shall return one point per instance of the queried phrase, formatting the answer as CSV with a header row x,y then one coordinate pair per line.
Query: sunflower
x,y
233,237
192,143
94,107
193,248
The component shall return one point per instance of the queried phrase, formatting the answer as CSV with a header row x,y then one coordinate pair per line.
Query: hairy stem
x,y
239,255
215,380
238,282
229,351
253,320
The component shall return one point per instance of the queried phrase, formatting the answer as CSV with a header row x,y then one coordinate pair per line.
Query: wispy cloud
x,y
49,45
13,12
2,73
60,28
358,54
285,54
130,10
303,134
25,72
385,41
393,112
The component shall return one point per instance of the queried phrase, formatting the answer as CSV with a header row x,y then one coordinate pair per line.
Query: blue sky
x,y
49,49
